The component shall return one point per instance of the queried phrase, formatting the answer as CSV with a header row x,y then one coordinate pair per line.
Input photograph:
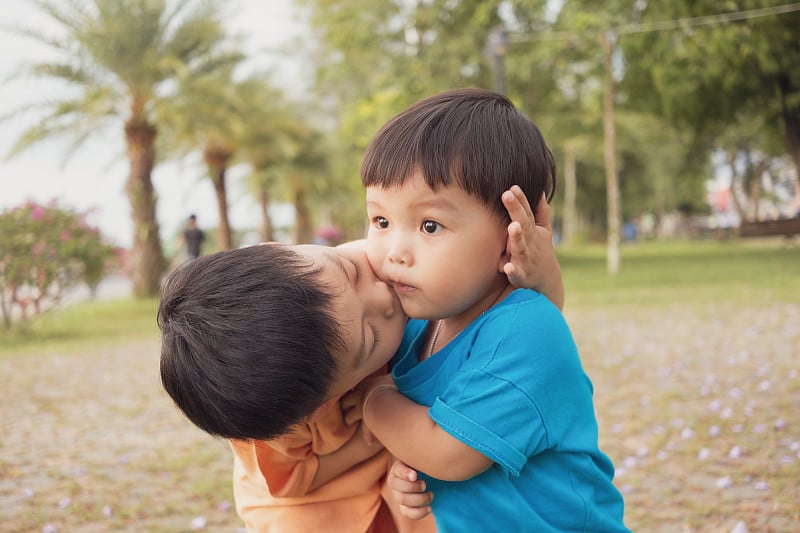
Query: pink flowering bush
x,y
44,250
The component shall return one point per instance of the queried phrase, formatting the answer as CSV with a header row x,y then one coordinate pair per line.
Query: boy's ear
x,y
317,413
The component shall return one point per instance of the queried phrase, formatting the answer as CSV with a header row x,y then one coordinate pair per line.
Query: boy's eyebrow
x,y
338,261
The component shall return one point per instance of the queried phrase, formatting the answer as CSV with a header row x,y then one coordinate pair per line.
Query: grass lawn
x,y
693,350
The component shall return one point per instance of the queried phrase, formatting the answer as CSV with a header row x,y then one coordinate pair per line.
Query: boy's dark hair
x,y
246,340
472,138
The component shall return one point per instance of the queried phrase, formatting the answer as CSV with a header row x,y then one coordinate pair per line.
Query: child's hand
x,y
532,258
409,492
353,402
351,406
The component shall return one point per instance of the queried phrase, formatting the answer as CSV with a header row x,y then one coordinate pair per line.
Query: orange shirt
x,y
271,481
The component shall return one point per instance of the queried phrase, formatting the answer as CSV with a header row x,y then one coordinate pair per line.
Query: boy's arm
x,y
292,469
532,261
406,430
356,450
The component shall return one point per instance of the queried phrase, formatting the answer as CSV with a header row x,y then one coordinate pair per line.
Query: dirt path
x,y
698,410
91,443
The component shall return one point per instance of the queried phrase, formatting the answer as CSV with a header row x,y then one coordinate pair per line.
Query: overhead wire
x,y
660,25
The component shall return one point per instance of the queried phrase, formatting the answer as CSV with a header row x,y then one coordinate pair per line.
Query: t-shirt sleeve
x,y
509,394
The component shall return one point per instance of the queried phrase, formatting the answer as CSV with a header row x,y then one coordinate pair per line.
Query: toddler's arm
x,y
532,261
400,424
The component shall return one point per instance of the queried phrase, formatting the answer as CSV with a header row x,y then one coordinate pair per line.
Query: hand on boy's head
x,y
532,261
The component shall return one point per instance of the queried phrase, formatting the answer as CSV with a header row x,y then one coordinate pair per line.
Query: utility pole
x,y
610,156
497,48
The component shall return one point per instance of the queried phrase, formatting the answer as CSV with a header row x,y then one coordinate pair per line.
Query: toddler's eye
x,y
431,227
381,222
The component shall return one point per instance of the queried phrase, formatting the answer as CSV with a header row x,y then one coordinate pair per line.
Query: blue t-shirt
x,y
511,386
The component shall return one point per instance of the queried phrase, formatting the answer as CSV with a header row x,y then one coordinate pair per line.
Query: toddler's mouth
x,y
402,288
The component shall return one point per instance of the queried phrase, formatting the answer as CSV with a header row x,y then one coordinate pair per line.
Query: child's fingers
x,y
416,505
402,471
352,415
517,205
517,240
523,200
415,513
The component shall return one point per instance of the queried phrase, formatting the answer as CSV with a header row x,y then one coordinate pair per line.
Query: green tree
x,y
209,117
122,61
730,72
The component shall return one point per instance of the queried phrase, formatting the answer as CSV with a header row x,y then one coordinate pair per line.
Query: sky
x,y
93,178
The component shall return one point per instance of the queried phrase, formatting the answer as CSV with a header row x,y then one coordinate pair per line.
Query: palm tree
x,y
208,116
124,60
266,141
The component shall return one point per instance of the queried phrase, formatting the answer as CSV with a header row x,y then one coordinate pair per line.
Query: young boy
x,y
493,406
259,345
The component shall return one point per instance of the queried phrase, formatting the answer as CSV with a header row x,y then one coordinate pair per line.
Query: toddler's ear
x,y
505,258
320,411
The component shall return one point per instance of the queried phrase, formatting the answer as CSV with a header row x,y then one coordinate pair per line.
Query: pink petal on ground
x,y
759,428
63,503
224,506
724,482
107,512
687,433
50,528
740,527
735,452
780,423
198,522
764,386
714,406
713,431
761,485
703,454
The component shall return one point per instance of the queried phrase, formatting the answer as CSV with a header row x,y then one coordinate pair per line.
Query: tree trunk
x,y
570,189
304,233
737,202
147,258
609,152
217,162
266,224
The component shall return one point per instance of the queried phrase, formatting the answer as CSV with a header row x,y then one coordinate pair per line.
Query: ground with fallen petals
x,y
698,408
